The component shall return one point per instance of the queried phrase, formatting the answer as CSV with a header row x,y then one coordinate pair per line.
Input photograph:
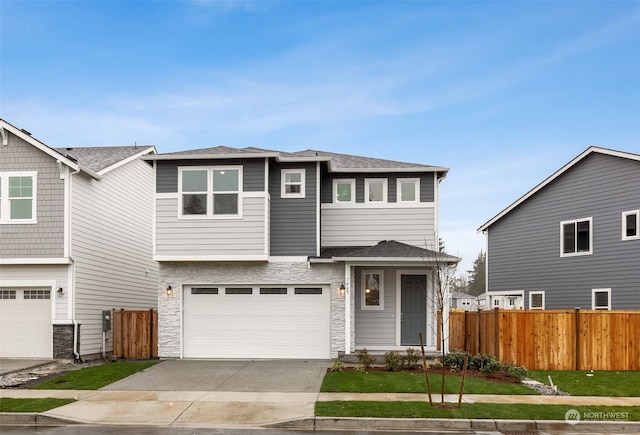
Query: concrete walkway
x,y
283,409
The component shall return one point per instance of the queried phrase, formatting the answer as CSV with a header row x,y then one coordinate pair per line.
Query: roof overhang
x,y
210,156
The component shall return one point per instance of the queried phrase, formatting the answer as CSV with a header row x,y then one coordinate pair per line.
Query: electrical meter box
x,y
106,321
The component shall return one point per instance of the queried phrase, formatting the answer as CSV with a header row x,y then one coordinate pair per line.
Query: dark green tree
x,y
477,276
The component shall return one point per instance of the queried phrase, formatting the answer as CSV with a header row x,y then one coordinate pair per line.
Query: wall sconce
x,y
342,290
169,292
60,292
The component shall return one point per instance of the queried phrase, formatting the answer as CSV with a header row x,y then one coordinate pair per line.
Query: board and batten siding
x,y
362,225
112,247
252,173
199,237
427,185
293,220
44,239
524,246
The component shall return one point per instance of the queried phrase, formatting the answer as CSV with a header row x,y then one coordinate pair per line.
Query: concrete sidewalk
x,y
284,409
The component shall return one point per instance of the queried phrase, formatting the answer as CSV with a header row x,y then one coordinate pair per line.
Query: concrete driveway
x,y
287,376
10,365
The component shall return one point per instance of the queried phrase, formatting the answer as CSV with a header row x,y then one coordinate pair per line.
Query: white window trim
x,y
5,209
350,181
415,181
385,189
593,298
624,224
544,302
283,186
576,254
209,192
380,306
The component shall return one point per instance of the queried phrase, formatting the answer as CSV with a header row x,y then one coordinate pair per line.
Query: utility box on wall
x,y
106,321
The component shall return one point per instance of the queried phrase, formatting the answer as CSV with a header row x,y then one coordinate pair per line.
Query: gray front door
x,y
413,303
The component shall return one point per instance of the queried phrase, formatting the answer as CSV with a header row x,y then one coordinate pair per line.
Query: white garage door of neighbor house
x,y
25,323
256,322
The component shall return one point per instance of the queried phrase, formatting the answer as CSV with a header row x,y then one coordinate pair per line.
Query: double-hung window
x,y
630,224
210,192
293,181
344,191
18,197
408,189
576,237
375,190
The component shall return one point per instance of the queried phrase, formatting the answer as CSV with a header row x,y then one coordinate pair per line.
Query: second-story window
x,y
576,237
292,182
210,192
375,190
630,224
408,189
18,197
344,191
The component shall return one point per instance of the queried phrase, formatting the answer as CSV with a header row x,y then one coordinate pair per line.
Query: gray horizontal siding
x,y
524,246
244,236
252,173
375,328
366,226
293,220
45,239
427,188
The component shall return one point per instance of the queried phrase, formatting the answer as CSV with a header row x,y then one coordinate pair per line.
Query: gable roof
x,y
104,159
337,162
392,250
558,173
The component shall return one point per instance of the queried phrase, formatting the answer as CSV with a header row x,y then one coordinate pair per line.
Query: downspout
x,y
76,351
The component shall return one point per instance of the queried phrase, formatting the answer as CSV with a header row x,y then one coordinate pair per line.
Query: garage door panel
x,y
25,323
256,325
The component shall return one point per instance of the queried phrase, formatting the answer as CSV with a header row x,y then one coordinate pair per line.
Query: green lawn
x,y
93,378
578,383
31,405
468,410
404,382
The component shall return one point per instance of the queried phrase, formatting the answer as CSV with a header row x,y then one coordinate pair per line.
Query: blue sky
x,y
503,93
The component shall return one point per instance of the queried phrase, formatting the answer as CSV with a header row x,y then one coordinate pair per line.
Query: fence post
x,y
577,332
464,328
122,334
497,333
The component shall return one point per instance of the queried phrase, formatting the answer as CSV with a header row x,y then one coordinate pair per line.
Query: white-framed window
x,y
576,237
18,197
631,225
408,189
344,191
375,190
601,299
372,290
292,183
536,300
207,192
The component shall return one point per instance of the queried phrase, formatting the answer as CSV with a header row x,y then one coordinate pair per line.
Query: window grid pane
x,y
582,236
631,228
225,180
344,192
376,191
407,192
569,238
194,181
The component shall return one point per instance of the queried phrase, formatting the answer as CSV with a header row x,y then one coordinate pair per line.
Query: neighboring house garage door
x,y
256,322
25,322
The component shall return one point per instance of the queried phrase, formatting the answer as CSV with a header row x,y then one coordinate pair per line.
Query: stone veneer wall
x,y
63,341
175,274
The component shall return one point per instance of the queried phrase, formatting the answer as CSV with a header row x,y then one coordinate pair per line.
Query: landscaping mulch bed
x,y
471,373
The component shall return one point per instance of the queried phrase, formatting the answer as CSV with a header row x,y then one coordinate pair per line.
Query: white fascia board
x,y
230,258
387,170
396,260
303,159
144,152
34,261
555,175
209,156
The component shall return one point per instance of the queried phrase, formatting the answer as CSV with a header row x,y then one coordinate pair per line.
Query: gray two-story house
x,y
571,241
268,254
75,242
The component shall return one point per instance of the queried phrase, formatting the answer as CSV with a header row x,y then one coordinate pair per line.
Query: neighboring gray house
x,y
571,241
75,239
463,301
267,254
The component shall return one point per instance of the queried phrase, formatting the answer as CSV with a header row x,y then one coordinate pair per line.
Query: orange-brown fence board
x,y
135,333
551,339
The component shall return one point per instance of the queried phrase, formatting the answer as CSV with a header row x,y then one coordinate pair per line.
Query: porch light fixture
x,y
60,292
169,292
341,290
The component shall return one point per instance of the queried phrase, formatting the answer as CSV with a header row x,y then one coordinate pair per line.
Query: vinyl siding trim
x,y
35,260
262,257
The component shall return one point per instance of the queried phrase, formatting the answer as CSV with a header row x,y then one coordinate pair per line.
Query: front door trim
x,y
399,274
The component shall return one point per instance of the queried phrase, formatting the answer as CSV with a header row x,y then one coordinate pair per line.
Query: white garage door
x,y
25,323
256,322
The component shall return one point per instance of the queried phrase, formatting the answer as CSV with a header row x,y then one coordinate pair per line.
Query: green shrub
x,y
338,366
360,368
518,373
455,359
365,359
491,366
392,360
437,364
412,358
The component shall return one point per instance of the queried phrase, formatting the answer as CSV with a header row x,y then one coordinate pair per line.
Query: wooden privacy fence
x,y
551,339
135,333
